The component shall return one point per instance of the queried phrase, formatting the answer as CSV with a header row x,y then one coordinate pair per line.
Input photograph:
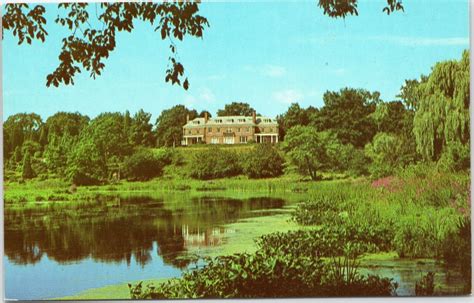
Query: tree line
x,y
354,131
73,146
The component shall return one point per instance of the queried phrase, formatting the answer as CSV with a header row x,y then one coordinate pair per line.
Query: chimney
x,y
206,117
254,117
187,118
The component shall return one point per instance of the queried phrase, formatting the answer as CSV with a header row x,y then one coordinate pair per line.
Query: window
x,y
218,129
238,129
243,139
248,129
209,129
189,132
214,140
229,130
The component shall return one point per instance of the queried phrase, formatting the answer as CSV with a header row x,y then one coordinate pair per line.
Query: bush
x,y
165,155
213,163
421,234
425,287
455,158
277,269
457,250
144,164
264,161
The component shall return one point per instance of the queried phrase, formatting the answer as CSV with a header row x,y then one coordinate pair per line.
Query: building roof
x,y
231,121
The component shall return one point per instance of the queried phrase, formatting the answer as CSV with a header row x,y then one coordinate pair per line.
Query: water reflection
x,y
124,228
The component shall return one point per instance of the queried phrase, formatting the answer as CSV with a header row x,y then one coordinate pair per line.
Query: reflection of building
x,y
230,130
208,237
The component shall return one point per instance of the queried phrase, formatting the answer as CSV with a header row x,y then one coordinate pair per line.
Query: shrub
x,y
145,165
346,158
455,158
322,210
214,162
264,161
420,234
276,270
425,287
165,155
457,250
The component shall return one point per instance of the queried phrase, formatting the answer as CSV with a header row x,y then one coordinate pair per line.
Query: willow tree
x,y
442,116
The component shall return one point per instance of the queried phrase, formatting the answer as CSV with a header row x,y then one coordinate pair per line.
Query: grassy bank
x,y
55,190
110,292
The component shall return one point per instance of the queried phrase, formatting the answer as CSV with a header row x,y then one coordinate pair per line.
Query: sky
x,y
268,54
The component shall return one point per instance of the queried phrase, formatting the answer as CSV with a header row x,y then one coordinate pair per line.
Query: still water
x,y
61,249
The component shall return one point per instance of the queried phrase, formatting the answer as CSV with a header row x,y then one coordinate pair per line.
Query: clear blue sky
x,y
266,54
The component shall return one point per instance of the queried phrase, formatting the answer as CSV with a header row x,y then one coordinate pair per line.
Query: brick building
x,y
230,130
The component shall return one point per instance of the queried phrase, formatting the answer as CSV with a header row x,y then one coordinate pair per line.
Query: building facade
x,y
230,130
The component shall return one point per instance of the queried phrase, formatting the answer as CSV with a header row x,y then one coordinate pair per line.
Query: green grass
x,y
109,292
36,191
174,179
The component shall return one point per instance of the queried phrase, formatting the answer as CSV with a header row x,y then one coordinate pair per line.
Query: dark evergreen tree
x,y
27,172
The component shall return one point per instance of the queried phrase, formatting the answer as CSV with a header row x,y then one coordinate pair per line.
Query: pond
x,y
59,249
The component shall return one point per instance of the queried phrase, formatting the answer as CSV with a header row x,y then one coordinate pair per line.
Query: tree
x,y
93,28
341,9
169,125
347,113
295,115
89,49
410,94
236,109
386,153
392,117
141,129
19,128
103,145
127,123
64,123
30,147
203,113
57,152
86,164
308,150
17,156
442,116
27,172
107,133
